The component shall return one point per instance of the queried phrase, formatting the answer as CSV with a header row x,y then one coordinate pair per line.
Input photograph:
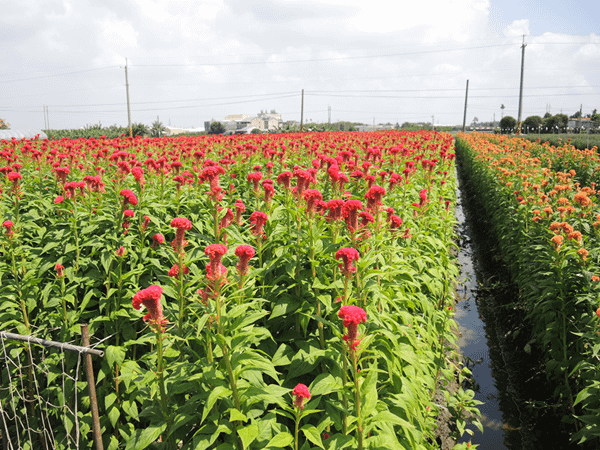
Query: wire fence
x,y
44,402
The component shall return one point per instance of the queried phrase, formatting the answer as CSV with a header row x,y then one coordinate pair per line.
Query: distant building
x,y
584,122
264,121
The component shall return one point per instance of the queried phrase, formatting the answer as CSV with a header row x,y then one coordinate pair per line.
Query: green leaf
x,y
113,415
313,435
236,414
248,434
217,393
143,438
368,394
281,440
325,383
114,355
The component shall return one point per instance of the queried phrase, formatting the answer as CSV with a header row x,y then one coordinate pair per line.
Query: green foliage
x,y
532,123
541,215
222,373
508,123
216,128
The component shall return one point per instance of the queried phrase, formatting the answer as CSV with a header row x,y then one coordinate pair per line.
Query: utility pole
x,y
465,116
580,116
302,112
329,115
128,107
47,115
494,122
45,123
433,123
521,88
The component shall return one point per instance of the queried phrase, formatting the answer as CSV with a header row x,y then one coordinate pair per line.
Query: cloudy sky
x,y
378,60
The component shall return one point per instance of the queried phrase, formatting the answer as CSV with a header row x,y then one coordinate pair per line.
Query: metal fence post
x,y
85,335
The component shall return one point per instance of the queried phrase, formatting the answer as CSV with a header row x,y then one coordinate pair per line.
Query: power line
x,y
58,74
341,58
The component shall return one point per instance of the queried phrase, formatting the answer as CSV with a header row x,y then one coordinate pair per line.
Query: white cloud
x,y
517,28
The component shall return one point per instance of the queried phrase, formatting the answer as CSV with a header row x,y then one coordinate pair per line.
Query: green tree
x,y
532,123
158,129
4,125
217,128
508,123
139,129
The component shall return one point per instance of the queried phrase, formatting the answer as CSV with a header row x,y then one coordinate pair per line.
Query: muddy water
x,y
518,410
475,345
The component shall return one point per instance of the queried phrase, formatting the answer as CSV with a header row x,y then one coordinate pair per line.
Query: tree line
x,y
557,123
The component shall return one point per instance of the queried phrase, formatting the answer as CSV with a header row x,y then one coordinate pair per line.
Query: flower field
x,y
277,291
543,203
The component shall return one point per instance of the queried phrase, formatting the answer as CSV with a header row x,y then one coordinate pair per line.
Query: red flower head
x,y
284,179
348,256
174,271
8,224
226,219
335,209
373,196
352,316
59,270
350,212
258,220
128,213
59,199
300,393
395,222
423,197
181,224
146,222
14,178
255,177
128,197
150,298
269,192
312,197
138,174
245,253
157,240
120,252
365,218
215,269
239,209
212,174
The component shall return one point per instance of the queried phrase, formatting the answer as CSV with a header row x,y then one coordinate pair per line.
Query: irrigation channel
x,y
517,408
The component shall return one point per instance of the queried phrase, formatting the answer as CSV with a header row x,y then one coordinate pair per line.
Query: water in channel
x,y
474,344
518,410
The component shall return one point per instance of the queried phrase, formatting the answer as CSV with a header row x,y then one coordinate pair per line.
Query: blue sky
x,y
191,61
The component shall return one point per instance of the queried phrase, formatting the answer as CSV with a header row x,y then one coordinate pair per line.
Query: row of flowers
x,y
318,227
542,203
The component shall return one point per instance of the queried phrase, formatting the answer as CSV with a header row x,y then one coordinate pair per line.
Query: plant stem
x,y
359,424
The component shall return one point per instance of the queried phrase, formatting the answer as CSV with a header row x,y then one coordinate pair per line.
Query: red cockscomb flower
x,y
258,220
348,256
215,269
239,209
8,224
128,197
59,270
150,298
352,316
300,393
244,253
312,197
174,271
255,177
373,196
350,212
181,224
